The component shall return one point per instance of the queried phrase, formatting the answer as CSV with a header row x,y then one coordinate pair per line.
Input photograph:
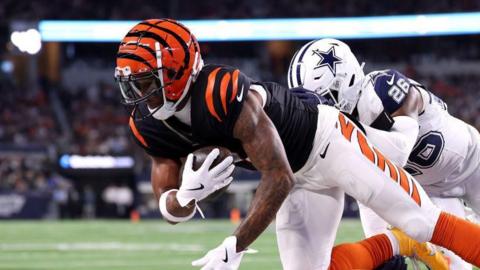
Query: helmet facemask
x,y
140,87
349,95
330,92
345,91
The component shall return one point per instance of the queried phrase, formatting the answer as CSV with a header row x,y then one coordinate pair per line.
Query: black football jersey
x,y
217,97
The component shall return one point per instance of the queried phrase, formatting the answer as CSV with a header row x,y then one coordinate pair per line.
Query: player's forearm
x,y
159,187
270,194
409,128
397,143
164,178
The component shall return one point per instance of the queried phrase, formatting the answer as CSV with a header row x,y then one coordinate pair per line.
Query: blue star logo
x,y
328,59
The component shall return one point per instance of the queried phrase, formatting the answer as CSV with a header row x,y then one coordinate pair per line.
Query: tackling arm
x,y
397,143
412,105
264,147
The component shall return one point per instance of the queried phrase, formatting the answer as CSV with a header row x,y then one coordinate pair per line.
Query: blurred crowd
x,y
33,174
191,9
22,173
461,93
25,115
97,119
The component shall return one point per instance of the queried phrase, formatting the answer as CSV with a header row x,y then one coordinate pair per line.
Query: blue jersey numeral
x,y
426,152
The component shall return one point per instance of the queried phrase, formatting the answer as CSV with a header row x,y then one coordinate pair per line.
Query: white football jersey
x,y
447,150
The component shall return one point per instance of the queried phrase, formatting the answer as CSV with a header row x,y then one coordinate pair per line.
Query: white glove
x,y
197,185
223,257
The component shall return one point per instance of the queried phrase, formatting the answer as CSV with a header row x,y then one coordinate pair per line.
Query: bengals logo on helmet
x,y
164,48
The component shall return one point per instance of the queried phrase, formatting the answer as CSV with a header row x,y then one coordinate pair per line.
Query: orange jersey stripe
x,y
346,127
403,180
234,84
136,133
223,91
392,169
366,149
416,195
209,93
380,159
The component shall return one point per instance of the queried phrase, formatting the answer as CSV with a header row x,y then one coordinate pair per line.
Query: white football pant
x,y
343,161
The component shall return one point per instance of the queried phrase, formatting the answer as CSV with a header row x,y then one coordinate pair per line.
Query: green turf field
x,y
120,245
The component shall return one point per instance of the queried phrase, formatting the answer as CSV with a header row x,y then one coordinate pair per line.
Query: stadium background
x,y
60,105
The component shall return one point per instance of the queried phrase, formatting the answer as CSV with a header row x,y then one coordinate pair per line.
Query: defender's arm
x,y
412,105
399,141
396,144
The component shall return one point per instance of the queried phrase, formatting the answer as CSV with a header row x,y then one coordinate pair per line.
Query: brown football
x,y
199,157
175,209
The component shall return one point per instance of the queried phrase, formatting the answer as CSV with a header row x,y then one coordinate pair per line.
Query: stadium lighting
x,y
96,162
278,29
27,41
7,66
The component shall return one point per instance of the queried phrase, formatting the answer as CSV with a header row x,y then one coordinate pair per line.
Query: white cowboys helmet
x,y
329,68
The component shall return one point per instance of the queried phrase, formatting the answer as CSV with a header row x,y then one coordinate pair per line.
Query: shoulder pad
x,y
219,95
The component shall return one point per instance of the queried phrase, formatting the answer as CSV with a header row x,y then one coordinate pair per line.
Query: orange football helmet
x,y
157,57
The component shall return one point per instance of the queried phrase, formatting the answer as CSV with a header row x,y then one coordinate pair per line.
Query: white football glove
x,y
223,257
197,185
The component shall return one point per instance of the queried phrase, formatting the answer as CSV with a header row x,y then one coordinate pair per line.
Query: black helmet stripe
x,y
134,57
141,34
175,35
180,41
300,58
183,27
186,30
178,24
152,52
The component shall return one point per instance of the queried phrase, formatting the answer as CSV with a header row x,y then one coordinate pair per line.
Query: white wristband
x,y
162,204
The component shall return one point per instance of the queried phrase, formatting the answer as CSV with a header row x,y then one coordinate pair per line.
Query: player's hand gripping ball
x,y
205,174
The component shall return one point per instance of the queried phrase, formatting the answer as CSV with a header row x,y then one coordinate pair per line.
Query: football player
x,y
441,151
180,104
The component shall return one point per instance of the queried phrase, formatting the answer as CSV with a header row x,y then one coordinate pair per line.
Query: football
x,y
175,209
199,157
